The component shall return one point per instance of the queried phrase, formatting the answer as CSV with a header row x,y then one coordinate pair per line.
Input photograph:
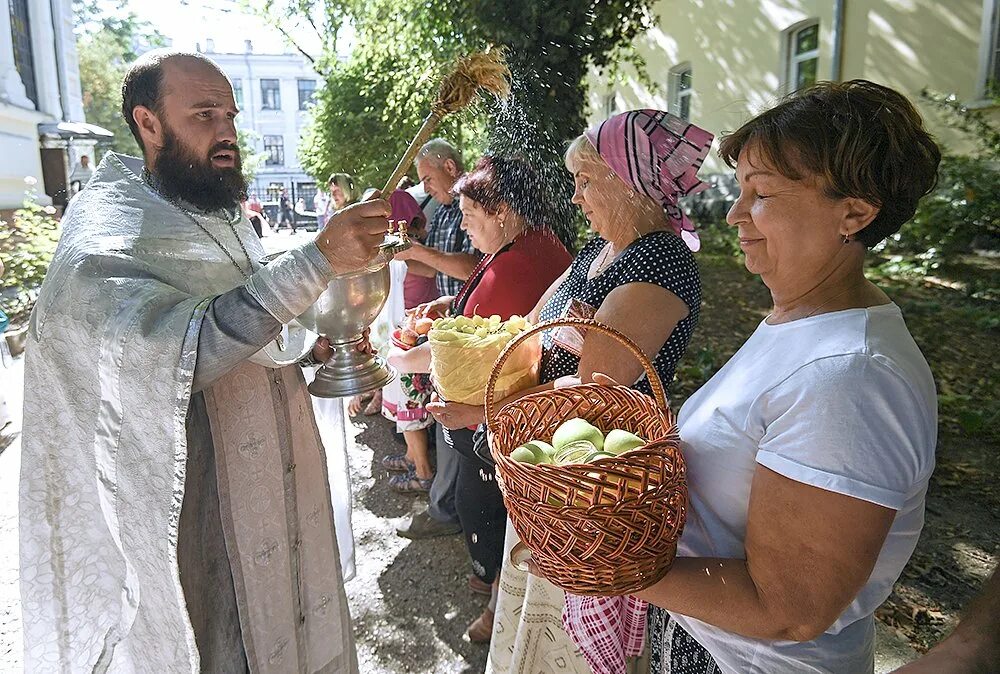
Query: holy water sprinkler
x,y
352,301
485,70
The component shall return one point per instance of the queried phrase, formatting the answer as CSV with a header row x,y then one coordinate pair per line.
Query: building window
x,y
270,95
803,56
24,62
307,192
307,89
274,151
238,92
679,90
610,105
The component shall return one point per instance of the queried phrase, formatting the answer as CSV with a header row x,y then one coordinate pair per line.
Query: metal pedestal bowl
x,y
346,308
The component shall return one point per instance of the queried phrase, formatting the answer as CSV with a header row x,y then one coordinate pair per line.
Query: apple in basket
x,y
618,442
575,430
577,441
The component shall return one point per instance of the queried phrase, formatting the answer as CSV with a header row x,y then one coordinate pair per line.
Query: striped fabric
x,y
658,155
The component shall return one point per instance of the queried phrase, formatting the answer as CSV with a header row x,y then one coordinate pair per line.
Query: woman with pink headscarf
x,y
637,274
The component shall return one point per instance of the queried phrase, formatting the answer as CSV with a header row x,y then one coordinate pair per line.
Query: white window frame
x,y
989,49
263,97
791,60
269,146
238,86
610,104
676,95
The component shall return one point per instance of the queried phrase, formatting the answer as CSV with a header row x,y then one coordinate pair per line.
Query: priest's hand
x,y
351,237
322,351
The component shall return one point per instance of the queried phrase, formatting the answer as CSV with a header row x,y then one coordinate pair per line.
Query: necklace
x,y
840,294
604,262
148,179
828,301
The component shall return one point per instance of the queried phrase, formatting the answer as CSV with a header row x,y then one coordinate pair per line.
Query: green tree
x,y
963,211
109,38
251,159
373,102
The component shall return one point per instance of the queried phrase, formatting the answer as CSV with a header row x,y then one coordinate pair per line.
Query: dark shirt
x,y
660,258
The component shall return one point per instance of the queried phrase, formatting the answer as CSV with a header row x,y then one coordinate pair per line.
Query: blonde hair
x,y
346,184
582,151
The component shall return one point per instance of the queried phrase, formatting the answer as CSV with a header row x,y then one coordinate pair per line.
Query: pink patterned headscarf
x,y
659,155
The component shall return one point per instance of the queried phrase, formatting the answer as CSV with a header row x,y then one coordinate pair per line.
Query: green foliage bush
x,y
27,245
963,211
373,103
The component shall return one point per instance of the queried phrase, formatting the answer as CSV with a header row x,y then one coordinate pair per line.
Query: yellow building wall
x,y
737,52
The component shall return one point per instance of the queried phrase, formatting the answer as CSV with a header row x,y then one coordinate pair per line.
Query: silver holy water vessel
x,y
346,308
349,305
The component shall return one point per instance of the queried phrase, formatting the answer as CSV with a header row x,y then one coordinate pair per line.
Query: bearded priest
x,y
175,512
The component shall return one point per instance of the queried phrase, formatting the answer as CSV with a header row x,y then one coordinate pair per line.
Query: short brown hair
x,y
863,140
506,180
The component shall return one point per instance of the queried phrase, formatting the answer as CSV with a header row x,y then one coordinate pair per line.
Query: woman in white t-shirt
x,y
810,451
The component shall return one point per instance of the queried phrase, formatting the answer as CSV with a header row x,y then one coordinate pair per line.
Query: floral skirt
x,y
404,401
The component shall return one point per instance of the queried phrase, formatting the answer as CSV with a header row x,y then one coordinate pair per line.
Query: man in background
x,y
449,256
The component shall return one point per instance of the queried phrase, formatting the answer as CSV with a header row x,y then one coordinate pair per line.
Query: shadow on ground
x,y
410,601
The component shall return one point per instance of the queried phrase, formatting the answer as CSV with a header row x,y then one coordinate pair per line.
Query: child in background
x,y
404,399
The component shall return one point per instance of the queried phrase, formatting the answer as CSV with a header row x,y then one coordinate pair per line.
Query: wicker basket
x,y
604,528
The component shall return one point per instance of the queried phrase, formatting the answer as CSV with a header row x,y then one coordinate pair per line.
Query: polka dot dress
x,y
659,258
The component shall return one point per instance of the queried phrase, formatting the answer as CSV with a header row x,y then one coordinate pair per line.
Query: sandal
x,y
481,629
409,483
398,463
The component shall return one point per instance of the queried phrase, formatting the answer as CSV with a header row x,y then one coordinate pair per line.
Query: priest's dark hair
x,y
143,84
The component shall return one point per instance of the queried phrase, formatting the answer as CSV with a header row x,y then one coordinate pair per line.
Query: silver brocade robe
x,y
110,360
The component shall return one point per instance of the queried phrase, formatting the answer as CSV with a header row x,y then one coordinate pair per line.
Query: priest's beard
x,y
180,174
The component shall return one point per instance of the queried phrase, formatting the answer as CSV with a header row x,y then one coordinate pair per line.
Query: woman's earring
x,y
847,239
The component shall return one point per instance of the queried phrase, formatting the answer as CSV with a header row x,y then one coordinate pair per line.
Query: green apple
x,y
524,454
577,429
542,449
619,441
599,455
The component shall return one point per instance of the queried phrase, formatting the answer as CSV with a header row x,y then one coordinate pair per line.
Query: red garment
x,y
416,289
405,207
512,281
608,630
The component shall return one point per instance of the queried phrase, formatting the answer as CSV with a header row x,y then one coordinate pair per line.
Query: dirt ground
x,y
409,601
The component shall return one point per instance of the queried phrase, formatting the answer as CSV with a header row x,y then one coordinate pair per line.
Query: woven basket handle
x,y
654,379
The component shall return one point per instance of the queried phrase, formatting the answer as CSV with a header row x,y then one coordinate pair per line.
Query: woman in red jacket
x,y
505,217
